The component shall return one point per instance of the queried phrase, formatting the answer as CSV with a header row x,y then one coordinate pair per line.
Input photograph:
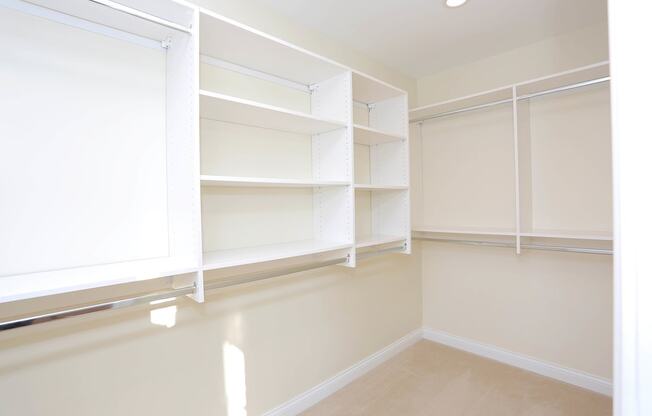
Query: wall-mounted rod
x,y
462,110
141,15
165,294
509,100
86,309
264,275
374,253
564,88
584,250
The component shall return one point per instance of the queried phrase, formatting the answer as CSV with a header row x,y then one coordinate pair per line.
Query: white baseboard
x,y
577,378
309,398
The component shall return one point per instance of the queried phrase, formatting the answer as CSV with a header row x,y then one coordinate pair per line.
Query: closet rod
x,y
463,110
255,277
369,254
141,15
583,250
105,306
564,88
165,294
509,100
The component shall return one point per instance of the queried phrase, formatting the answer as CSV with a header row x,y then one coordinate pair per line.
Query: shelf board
x,y
370,136
377,240
220,259
370,90
466,231
569,235
215,106
238,181
372,187
228,40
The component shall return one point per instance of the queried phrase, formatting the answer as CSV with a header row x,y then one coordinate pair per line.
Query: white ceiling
x,y
421,37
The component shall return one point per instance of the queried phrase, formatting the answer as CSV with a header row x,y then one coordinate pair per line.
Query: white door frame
x,y
630,28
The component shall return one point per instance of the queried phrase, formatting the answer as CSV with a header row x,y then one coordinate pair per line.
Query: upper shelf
x,y
587,75
228,40
486,98
370,90
223,107
236,181
369,136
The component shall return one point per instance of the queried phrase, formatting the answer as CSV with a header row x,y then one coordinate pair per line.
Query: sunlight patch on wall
x,y
235,380
166,316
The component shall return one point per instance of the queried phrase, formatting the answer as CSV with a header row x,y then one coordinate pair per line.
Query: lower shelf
x,y
377,240
220,259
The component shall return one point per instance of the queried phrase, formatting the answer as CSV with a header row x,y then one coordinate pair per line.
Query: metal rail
x,y
152,297
141,15
566,249
509,100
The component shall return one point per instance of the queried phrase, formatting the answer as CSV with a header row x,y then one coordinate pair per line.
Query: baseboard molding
x,y
577,378
309,398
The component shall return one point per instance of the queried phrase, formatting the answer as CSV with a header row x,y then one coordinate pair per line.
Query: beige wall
x,y
554,307
255,346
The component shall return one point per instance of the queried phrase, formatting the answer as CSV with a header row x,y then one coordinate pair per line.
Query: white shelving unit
x,y
381,163
286,105
237,148
548,168
121,199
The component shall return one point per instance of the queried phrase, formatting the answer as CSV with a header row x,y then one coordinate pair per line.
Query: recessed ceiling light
x,y
455,3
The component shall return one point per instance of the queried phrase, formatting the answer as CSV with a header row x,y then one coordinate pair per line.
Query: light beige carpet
x,y
431,379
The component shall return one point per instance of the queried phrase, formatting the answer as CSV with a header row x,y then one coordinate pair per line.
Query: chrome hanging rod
x,y
370,254
509,100
564,88
264,275
462,110
584,250
105,306
141,15
165,294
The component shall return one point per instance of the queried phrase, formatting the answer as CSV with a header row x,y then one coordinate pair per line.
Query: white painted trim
x,y
309,398
566,375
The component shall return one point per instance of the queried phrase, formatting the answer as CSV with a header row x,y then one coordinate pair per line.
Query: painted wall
x,y
572,50
555,307
243,352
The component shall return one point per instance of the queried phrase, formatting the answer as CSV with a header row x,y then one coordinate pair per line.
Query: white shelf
x,y
238,181
251,255
465,231
370,136
372,187
239,44
223,107
369,90
377,240
569,235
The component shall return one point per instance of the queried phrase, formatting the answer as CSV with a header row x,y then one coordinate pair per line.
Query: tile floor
x,y
432,379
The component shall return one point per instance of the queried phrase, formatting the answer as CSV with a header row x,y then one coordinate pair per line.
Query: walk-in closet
x,y
277,207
